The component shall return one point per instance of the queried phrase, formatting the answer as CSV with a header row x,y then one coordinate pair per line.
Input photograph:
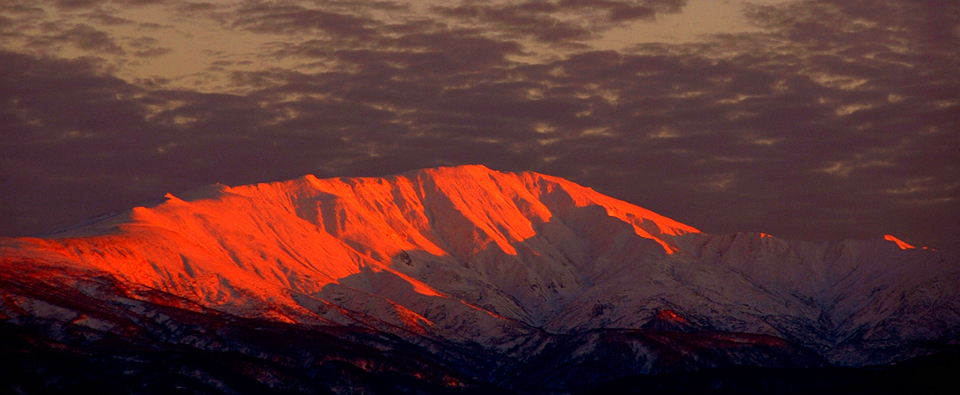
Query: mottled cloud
x,y
86,38
291,19
837,119
560,21
147,47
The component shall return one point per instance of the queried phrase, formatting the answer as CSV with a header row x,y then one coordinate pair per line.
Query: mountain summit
x,y
525,269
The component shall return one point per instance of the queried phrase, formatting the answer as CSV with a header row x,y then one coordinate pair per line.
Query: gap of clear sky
x,y
811,119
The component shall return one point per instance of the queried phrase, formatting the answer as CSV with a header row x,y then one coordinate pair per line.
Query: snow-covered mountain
x,y
500,278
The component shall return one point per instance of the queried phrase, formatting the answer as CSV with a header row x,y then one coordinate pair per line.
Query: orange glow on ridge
x,y
900,243
242,248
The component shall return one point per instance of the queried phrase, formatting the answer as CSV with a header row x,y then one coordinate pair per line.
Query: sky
x,y
809,120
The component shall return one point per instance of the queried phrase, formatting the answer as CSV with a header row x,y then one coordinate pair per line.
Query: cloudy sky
x,y
814,120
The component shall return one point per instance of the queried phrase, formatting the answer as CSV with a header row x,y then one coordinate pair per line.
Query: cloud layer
x,y
835,119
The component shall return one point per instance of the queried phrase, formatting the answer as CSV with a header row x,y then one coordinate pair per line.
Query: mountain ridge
x,y
505,262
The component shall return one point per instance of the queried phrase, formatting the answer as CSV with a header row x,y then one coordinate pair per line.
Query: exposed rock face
x,y
479,278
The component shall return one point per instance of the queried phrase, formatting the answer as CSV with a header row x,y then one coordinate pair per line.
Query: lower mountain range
x,y
461,280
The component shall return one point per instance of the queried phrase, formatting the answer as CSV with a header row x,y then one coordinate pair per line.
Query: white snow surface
x,y
474,255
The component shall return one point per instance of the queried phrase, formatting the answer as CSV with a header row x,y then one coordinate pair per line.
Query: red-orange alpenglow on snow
x,y
520,267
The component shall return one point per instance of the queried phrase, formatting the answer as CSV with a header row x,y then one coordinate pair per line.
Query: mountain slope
x,y
509,263
282,250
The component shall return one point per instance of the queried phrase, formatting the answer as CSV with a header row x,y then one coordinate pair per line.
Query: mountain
x,y
446,280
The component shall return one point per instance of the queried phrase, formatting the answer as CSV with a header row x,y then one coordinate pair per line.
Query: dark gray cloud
x,y
81,4
293,19
64,124
147,47
560,21
839,120
86,38
16,18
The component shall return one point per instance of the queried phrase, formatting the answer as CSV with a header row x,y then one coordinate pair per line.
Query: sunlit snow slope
x,y
473,255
